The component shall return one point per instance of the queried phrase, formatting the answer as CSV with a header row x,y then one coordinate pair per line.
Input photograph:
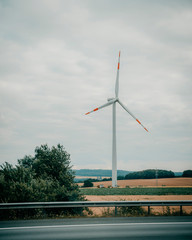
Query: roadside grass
x,y
138,211
136,191
132,211
29,214
123,212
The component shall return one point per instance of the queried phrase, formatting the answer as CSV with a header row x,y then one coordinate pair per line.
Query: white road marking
x,y
95,225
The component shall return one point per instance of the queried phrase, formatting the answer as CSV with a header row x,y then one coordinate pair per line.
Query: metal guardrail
x,y
95,204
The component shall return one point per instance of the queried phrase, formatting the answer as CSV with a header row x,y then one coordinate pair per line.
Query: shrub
x,y
87,183
131,211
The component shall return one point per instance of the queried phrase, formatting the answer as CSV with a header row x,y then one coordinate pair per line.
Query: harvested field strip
x,y
136,191
154,210
162,182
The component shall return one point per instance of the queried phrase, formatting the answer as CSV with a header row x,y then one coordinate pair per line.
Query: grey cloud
x,y
59,60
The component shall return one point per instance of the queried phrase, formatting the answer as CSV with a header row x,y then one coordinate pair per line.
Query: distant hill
x,y
107,173
99,172
178,174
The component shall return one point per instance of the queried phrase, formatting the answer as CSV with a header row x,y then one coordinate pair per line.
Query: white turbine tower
x,y
112,101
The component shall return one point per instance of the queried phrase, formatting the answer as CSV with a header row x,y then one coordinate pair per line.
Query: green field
x,y
136,191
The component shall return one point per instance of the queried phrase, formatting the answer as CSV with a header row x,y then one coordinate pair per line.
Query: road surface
x,y
145,228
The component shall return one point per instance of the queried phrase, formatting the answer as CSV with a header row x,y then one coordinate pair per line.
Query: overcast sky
x,y
58,60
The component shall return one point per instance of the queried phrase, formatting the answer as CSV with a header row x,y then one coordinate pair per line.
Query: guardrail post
x,y
181,210
115,211
149,210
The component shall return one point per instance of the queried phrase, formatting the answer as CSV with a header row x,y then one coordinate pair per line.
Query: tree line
x,y
155,173
150,174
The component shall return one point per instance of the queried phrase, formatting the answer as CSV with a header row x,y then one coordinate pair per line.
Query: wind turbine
x,y
113,101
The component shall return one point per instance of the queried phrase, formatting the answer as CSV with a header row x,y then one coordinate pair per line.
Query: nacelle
x,y
109,99
112,99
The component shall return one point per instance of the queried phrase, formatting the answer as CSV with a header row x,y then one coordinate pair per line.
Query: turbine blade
x,y
126,109
102,106
117,78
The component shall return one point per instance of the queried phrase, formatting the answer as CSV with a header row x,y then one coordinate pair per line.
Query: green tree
x,y
26,162
187,173
46,176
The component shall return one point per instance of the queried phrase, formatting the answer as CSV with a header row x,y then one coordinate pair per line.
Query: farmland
x,y
163,182
166,186
159,210
137,191
142,190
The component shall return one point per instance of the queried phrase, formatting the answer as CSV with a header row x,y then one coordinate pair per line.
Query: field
x,y
136,191
162,182
154,210
142,190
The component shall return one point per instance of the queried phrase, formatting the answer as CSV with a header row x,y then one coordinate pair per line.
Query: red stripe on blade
x,y
138,121
95,109
118,66
87,113
146,129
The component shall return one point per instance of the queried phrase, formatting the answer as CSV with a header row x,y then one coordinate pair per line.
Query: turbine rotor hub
x,y
111,99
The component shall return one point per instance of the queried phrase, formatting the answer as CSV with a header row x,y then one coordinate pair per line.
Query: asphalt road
x,y
145,228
